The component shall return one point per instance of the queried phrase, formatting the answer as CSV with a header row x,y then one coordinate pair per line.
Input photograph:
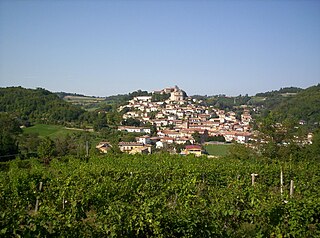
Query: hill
x,y
46,107
37,105
92,103
281,91
291,103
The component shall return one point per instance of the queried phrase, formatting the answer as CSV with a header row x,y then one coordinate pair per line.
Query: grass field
x,y
48,130
83,99
88,103
217,149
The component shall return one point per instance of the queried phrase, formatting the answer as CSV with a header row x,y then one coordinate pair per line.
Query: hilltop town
x,y
177,119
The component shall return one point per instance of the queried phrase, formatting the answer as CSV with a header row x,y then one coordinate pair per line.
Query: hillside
x,y
36,105
42,105
291,103
92,103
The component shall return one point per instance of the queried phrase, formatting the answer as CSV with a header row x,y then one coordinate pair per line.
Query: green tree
x,y
131,122
100,122
46,149
315,146
114,118
9,131
197,137
64,145
241,151
280,140
28,144
37,105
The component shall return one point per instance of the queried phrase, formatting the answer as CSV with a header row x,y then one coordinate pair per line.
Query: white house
x,y
144,139
135,129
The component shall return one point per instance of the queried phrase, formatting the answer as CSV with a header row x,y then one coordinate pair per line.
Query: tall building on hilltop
x,y
177,95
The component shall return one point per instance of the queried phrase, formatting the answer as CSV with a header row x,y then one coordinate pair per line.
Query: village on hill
x,y
177,119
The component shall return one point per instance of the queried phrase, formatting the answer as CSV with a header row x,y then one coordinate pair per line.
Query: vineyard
x,y
158,196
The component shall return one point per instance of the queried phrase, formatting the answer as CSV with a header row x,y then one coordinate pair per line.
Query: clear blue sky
x,y
206,47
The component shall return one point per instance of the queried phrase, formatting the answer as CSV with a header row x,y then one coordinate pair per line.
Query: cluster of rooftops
x,y
176,119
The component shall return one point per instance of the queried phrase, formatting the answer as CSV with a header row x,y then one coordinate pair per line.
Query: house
x,y
229,136
167,140
104,146
242,137
192,149
143,98
159,144
246,118
183,140
171,133
135,129
160,123
143,139
134,148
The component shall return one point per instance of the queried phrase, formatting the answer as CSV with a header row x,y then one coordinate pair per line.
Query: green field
x,y
83,99
88,103
217,149
47,130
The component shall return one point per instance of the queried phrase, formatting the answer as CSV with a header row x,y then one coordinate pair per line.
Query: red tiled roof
x,y
192,147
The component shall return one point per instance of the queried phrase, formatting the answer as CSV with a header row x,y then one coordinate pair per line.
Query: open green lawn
x,y
47,130
217,149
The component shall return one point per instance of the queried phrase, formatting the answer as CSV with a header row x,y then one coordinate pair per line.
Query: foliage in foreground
x,y
158,196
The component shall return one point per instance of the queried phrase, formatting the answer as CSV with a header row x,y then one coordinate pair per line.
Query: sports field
x,y
217,149
48,130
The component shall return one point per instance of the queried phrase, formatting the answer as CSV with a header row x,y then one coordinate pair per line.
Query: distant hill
x,y
44,106
281,91
124,98
305,105
37,105
64,94
89,103
294,103
93,102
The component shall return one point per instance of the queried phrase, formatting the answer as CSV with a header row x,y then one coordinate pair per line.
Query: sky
x,y
105,47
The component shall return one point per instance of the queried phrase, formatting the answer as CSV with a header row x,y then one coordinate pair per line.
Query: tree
x,y
46,150
9,131
28,144
131,122
315,146
100,122
63,145
157,97
280,140
105,107
153,130
240,151
114,118
197,137
37,105
219,138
